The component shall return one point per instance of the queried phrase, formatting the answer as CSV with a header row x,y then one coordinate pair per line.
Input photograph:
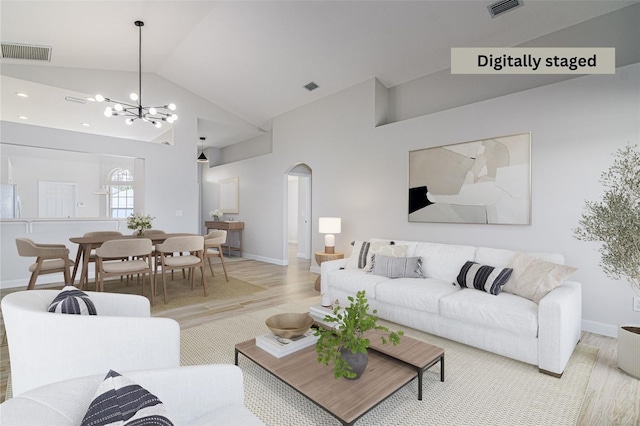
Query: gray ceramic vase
x,y
357,361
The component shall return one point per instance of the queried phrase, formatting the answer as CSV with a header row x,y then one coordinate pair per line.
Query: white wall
x,y
360,173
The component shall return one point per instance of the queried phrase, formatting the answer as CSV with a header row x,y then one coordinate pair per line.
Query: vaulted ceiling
x,y
253,58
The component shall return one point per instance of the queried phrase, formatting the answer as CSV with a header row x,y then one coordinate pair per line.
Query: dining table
x,y
86,244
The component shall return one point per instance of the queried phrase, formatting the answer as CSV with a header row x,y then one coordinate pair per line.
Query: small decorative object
x,y
326,299
216,214
139,222
290,325
346,339
614,221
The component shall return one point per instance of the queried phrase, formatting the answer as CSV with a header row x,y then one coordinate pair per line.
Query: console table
x,y
231,227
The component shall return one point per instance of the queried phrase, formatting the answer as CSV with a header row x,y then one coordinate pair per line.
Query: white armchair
x,y
195,395
46,347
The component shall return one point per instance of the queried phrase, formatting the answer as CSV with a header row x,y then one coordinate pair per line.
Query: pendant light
x,y
202,158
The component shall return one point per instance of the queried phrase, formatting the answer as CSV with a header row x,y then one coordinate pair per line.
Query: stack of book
x,y
279,346
318,312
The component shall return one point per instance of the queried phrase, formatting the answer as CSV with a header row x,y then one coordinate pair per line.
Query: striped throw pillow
x,y
358,258
70,300
397,267
483,277
119,401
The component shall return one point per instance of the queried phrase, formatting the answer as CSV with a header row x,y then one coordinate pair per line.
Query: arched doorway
x,y
298,212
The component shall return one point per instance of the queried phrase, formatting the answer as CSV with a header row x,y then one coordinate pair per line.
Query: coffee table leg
x,y
420,373
236,357
442,368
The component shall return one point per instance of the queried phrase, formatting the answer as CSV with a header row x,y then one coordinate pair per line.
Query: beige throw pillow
x,y
533,278
383,248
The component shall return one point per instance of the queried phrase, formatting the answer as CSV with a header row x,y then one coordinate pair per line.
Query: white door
x,y
304,217
56,199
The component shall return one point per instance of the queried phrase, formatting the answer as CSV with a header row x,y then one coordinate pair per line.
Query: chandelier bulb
x,y
174,116
153,111
129,121
108,112
172,107
158,124
169,119
99,98
133,96
118,107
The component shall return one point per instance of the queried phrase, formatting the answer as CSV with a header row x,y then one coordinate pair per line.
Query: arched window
x,y
120,193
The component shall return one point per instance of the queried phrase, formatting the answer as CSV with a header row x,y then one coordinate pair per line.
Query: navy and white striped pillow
x,y
119,401
483,277
70,300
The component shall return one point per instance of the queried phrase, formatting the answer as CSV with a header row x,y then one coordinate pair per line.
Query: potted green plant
x,y
614,221
344,344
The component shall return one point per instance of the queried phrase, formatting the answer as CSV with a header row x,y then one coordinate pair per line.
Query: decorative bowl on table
x,y
289,326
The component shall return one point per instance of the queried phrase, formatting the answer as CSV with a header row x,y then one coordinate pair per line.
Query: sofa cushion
x,y
392,250
119,401
533,278
483,277
443,261
415,293
397,267
358,258
354,280
411,245
503,312
70,300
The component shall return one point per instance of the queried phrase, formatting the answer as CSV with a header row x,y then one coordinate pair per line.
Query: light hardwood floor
x,y
613,397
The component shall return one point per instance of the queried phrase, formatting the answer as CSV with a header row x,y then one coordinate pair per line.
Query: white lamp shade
x,y
329,225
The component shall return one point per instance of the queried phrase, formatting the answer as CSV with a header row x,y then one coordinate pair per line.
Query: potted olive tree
x,y
614,221
345,345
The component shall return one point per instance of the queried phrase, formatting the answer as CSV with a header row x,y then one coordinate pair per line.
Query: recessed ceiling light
x,y
86,124
22,117
74,99
22,95
90,99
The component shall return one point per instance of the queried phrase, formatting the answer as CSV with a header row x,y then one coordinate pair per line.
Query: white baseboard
x,y
265,259
600,328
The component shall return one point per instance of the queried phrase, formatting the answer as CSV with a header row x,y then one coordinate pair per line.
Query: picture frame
x,y
483,181
229,196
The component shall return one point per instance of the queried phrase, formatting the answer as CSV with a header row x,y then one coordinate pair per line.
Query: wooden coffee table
x,y
389,369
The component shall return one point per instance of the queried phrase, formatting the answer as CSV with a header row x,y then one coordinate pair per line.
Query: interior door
x,y
56,199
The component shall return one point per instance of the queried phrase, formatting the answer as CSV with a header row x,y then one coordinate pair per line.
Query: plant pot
x,y
357,361
140,233
629,350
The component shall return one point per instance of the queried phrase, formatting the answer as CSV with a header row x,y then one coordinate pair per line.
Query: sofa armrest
x,y
124,305
191,392
329,266
559,326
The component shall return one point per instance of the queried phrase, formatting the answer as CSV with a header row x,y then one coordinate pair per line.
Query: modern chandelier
x,y
154,115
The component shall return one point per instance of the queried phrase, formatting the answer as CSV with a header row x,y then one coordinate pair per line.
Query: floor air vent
x,y
25,51
503,6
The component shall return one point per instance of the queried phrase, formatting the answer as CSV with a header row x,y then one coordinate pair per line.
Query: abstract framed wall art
x,y
484,181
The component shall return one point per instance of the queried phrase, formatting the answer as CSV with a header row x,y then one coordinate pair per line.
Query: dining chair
x,y
191,250
213,248
137,252
50,258
92,256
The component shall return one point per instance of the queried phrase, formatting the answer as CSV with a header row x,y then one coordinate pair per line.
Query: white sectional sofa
x,y
543,334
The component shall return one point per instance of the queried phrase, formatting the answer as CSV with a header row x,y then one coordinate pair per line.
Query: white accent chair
x,y
46,347
213,248
194,395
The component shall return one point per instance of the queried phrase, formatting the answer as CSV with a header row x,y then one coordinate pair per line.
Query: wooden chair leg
x,y
224,268
210,266
204,286
164,286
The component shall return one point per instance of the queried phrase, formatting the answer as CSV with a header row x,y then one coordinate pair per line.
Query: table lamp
x,y
329,226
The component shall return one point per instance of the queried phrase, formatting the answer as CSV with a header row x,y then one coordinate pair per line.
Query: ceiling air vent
x,y
503,6
311,86
25,51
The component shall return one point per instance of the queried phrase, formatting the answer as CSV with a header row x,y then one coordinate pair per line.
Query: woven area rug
x,y
479,388
179,291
